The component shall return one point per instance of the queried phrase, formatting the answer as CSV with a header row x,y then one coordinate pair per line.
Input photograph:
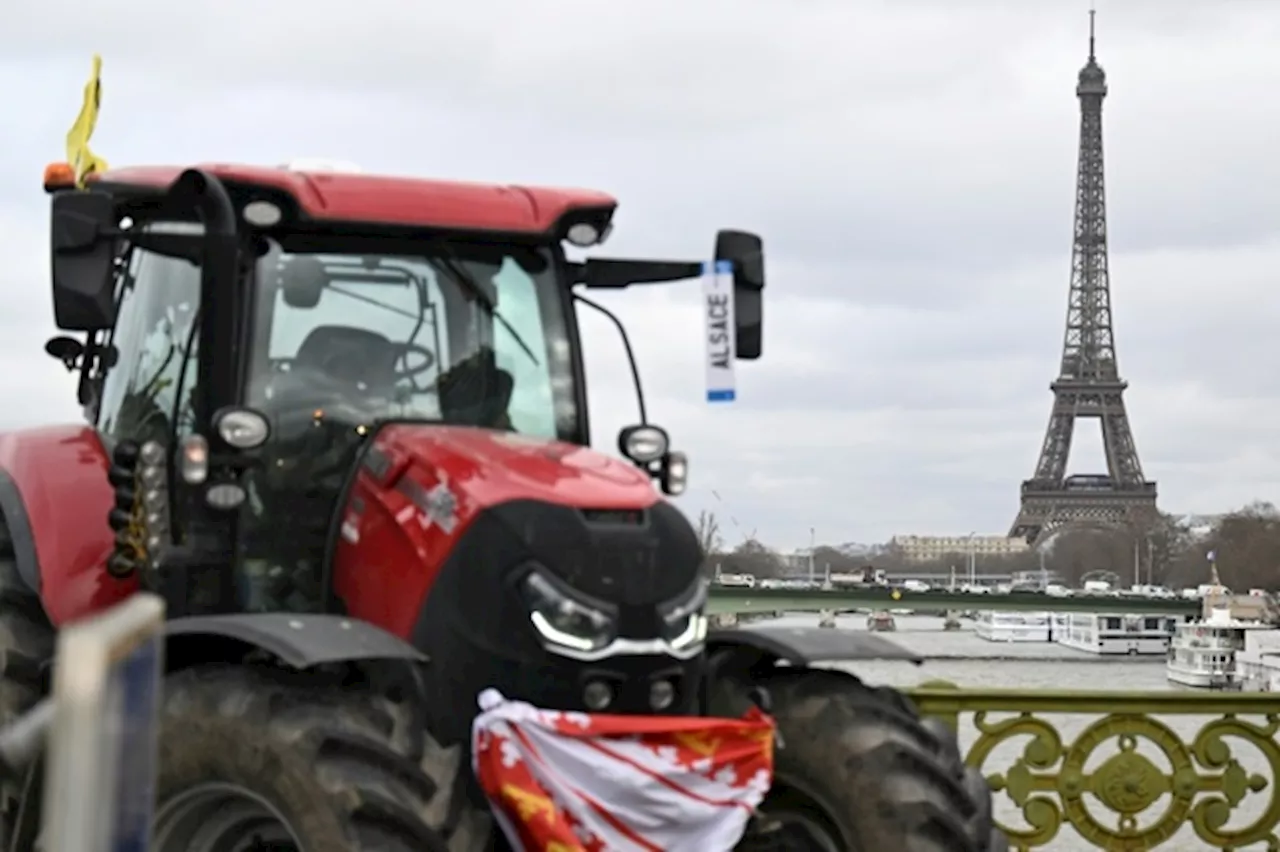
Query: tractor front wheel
x,y
27,643
857,770
260,759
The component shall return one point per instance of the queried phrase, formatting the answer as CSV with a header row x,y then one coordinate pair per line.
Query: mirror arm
x,y
87,387
618,274
626,344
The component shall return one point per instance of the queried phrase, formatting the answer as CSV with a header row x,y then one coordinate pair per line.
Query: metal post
x,y
973,562
812,547
24,737
1137,564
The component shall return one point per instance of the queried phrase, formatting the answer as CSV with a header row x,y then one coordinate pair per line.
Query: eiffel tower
x,y
1088,383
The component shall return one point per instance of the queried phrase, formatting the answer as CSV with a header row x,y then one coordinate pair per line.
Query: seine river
x,y
963,658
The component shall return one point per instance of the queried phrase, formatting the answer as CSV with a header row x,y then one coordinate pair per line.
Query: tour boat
x,y
1203,653
998,626
1134,635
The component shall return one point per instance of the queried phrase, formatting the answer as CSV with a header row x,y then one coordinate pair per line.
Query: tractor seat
x,y
350,355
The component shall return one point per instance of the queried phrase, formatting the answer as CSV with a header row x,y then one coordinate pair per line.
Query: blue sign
x,y
133,690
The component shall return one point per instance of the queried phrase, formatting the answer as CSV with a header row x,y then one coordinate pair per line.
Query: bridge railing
x,y
1121,770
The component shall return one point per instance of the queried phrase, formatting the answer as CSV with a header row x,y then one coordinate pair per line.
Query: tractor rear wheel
x,y
27,641
254,759
857,770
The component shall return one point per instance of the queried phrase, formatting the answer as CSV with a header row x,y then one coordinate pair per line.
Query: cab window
x,y
147,392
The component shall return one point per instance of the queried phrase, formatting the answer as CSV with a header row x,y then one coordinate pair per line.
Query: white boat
x,y
1097,633
995,626
1258,662
1203,653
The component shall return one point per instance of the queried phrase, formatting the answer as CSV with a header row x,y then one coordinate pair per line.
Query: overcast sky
x,y
909,163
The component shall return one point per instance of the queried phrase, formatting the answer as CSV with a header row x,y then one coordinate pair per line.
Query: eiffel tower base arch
x,y
1045,514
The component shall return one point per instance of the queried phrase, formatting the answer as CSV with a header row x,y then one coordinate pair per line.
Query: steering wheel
x,y
406,371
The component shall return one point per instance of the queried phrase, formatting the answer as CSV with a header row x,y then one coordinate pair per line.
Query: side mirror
x,y
746,251
66,349
83,232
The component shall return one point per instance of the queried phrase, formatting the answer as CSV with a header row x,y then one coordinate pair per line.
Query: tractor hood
x,y
488,467
497,500
475,509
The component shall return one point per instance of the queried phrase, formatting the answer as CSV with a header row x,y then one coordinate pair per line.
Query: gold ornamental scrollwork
x,y
1202,785
1030,777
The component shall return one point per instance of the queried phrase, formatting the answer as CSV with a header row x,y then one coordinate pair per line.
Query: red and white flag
x,y
578,782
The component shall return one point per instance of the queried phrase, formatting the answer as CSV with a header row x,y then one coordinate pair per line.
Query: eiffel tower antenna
x,y
1092,14
1088,385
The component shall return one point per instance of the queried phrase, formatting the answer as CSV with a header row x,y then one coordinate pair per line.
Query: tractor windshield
x,y
461,333
451,332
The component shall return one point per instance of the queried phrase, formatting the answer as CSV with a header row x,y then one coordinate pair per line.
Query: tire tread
x,y
884,777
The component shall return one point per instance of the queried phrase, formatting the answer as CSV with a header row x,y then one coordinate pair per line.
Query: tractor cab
x,y
245,332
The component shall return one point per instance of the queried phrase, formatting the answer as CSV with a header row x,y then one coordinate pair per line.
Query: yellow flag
x,y
82,160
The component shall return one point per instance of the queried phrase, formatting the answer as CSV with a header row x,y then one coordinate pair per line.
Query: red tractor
x,y
339,423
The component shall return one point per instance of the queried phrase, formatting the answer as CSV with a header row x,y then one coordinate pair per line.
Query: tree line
x,y
1244,544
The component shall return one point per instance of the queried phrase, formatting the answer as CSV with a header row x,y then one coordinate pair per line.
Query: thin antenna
x,y
745,535
1092,12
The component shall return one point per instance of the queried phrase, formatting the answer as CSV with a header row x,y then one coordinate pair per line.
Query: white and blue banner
x,y
717,299
101,777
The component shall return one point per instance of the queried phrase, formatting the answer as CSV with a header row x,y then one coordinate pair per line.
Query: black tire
x,y
858,770
322,768
27,642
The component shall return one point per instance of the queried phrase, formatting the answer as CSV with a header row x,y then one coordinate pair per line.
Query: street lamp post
x,y
1151,562
1137,564
973,561
812,547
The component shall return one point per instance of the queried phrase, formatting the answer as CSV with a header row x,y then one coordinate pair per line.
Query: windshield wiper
x,y
452,265
334,288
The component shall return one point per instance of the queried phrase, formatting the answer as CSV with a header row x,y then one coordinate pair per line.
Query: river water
x,y
964,659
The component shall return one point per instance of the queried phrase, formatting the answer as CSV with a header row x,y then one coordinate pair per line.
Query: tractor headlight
x,y
242,428
684,623
643,444
564,620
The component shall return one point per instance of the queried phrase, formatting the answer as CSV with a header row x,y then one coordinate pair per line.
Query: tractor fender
x,y
804,645
54,495
298,640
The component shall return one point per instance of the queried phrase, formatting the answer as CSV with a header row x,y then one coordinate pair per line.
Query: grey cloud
x,y
910,165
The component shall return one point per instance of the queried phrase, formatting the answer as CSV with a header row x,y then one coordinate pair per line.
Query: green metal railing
x,y
729,599
1125,770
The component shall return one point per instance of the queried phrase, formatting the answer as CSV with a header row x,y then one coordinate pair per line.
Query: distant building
x,y
1199,526
797,560
931,548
